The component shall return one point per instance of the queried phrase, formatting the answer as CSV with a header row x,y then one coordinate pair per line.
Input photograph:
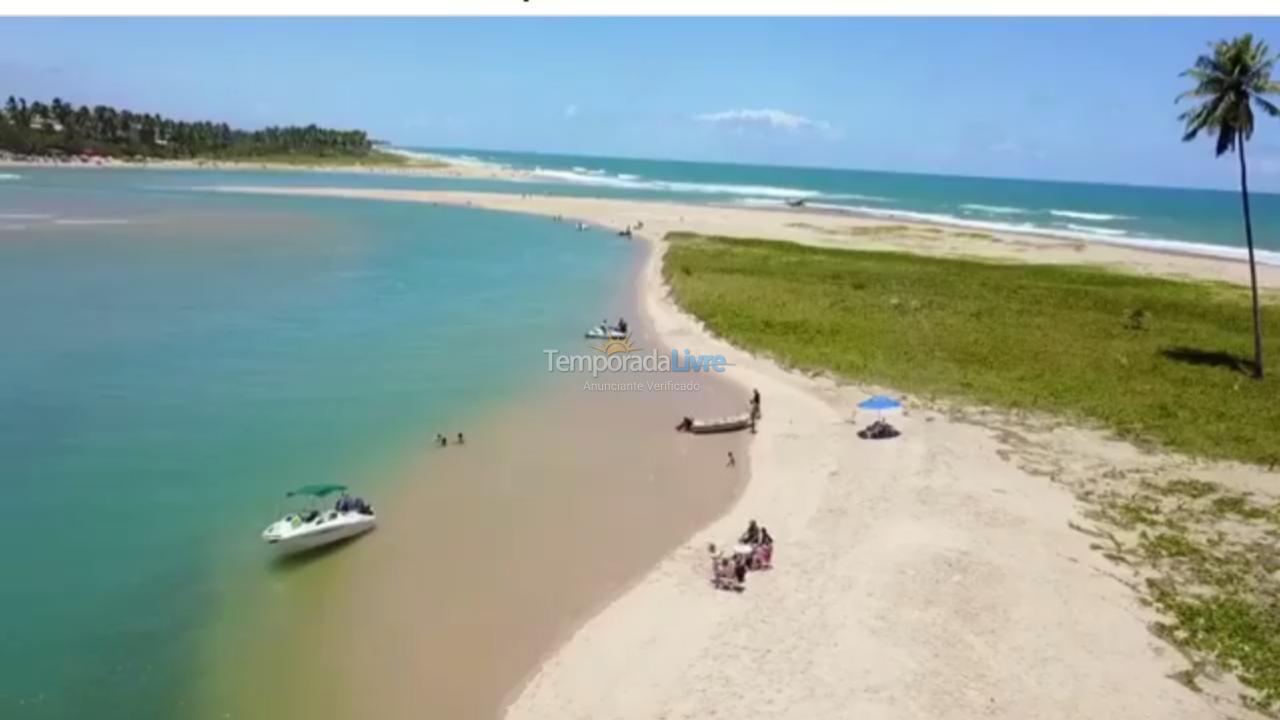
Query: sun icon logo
x,y
614,346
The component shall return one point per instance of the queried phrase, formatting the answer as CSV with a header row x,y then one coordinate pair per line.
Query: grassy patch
x,y
1191,488
1205,559
1154,359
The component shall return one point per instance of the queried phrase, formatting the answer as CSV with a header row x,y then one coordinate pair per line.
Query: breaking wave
x,y
1097,217
996,209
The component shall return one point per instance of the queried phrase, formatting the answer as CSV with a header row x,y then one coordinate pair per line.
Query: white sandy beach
x,y
933,576
927,577
822,229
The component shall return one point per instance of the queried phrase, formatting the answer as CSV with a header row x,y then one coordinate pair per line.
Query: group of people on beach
x,y
443,441
754,551
627,231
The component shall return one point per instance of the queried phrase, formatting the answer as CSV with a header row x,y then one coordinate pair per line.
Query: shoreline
x,y
822,229
698,656
863,218
491,555
637,300
1184,248
935,576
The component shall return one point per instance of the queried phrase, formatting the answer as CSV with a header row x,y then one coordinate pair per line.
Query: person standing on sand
x,y
460,439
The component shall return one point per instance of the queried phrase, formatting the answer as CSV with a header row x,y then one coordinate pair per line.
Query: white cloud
x,y
765,118
570,111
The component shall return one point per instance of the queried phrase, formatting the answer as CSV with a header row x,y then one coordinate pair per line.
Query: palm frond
x,y
1226,141
1228,81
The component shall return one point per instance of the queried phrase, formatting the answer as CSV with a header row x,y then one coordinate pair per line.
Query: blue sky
x,y
1054,99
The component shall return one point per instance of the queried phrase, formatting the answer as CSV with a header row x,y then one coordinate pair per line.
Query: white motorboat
x,y
313,527
606,333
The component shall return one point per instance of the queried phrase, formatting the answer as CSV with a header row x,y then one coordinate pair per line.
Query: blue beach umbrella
x,y
880,403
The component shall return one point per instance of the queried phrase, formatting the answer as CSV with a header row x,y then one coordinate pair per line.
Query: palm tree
x,y
1229,83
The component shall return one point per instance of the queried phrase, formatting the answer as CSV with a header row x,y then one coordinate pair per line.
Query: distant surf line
x,y
1086,233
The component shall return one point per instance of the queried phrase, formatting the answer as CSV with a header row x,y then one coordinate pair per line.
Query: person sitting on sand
x,y
460,439
732,460
752,535
723,570
441,440
764,551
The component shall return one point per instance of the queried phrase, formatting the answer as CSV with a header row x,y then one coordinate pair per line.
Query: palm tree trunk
x,y
1253,270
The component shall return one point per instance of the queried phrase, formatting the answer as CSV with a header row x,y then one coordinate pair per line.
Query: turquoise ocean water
x,y
174,361
1207,221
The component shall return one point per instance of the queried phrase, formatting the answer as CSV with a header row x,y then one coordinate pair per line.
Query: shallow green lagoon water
x,y
172,362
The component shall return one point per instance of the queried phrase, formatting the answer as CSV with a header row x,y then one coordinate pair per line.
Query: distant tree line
x,y
61,128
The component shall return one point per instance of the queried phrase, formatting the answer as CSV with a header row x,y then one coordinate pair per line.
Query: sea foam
x,y
995,209
1109,232
467,160
598,178
1077,215
1088,233
91,221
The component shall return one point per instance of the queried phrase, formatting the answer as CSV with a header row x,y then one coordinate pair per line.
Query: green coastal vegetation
x,y
1156,360
1206,557
60,129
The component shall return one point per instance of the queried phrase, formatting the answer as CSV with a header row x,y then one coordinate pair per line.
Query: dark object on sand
x,y
878,430
726,572
725,424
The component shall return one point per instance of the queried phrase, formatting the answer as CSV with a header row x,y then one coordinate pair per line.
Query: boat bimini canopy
x,y
317,491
